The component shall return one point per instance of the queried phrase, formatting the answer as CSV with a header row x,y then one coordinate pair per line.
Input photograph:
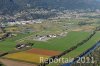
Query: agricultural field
x,y
25,56
32,56
80,49
46,51
75,32
49,48
49,32
10,43
60,44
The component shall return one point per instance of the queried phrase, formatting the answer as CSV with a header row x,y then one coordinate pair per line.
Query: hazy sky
x,y
98,0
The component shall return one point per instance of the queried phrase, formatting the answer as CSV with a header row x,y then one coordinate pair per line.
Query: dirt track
x,y
7,62
44,52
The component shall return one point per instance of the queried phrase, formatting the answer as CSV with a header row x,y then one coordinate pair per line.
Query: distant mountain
x,y
11,6
8,6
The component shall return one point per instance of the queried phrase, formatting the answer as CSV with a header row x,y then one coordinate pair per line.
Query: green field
x,y
62,43
59,44
80,49
10,43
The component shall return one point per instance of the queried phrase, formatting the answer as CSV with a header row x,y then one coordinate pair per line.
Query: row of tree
x,y
5,36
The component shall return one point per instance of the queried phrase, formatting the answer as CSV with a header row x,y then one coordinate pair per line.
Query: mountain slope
x,y
8,6
11,6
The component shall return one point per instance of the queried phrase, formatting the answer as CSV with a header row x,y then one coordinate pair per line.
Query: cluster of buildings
x,y
21,46
43,38
25,22
47,37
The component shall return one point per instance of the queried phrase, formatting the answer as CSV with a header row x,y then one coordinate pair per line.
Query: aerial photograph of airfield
x,y
31,35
